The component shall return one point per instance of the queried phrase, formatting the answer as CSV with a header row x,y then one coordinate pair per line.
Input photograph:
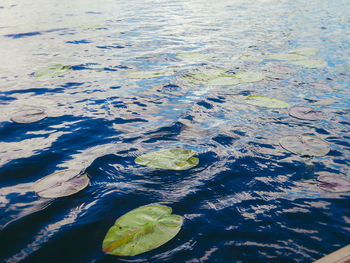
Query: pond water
x,y
248,200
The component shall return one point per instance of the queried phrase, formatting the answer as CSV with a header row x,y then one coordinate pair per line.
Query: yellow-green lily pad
x,y
287,57
147,74
170,159
141,230
60,184
311,63
306,51
266,102
193,56
52,71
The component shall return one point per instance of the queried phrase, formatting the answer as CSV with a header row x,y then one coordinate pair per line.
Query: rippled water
x,y
248,200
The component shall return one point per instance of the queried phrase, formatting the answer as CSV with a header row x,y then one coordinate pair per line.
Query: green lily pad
x,y
266,102
287,57
306,51
29,115
222,78
311,63
170,159
52,71
141,230
60,184
147,74
249,76
305,145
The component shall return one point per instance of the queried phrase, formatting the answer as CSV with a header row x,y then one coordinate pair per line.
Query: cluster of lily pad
x,y
148,227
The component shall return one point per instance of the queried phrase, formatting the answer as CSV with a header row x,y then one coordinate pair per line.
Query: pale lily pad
x,y
333,184
222,78
171,159
141,230
60,184
252,57
306,51
266,102
192,56
52,71
249,76
29,115
306,113
148,74
305,145
287,57
311,63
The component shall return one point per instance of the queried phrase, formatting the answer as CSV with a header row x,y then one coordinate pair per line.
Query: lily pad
x,y
60,184
142,229
333,184
311,63
306,113
305,145
147,74
249,76
306,51
222,78
287,57
52,71
266,102
29,115
171,159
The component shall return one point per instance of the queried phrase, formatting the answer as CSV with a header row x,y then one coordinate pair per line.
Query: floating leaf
x,y
306,51
171,159
142,229
287,57
267,102
52,71
305,145
192,56
333,184
63,183
29,115
148,74
311,63
221,77
249,76
252,57
306,113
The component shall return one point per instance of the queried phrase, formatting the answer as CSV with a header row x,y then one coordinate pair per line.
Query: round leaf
x,y
306,113
170,159
306,51
140,230
266,102
305,145
52,71
249,76
333,184
206,76
63,183
311,63
147,74
29,115
287,57
192,56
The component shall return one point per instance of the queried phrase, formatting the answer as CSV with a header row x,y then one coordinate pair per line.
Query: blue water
x,y
248,200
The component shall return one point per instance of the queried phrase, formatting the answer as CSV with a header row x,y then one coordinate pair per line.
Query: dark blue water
x,y
248,200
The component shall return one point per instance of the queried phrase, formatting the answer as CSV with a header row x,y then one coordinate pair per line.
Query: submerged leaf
x,y
171,159
306,113
311,63
29,115
333,184
142,229
306,51
60,184
267,102
52,71
305,145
